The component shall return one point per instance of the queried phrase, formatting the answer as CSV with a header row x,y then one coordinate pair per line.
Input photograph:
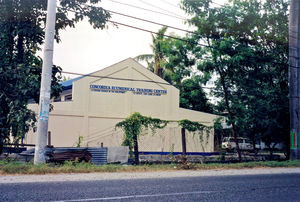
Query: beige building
x,y
91,105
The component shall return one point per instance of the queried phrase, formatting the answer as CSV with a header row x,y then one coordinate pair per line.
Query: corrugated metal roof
x,y
99,155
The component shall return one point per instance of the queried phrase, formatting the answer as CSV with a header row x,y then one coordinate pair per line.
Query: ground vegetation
x,y
133,127
22,33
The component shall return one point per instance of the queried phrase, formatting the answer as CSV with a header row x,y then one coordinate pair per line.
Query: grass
x,y
9,167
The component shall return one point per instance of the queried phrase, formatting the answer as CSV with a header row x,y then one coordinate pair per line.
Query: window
x,y
68,97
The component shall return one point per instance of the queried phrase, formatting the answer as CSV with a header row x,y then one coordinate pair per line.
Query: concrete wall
x,y
93,114
117,154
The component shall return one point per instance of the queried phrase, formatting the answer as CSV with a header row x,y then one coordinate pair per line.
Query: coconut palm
x,y
155,61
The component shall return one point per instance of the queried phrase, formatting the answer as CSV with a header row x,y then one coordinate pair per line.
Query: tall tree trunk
x,y
1,144
183,144
4,123
230,114
254,143
136,151
271,150
158,68
20,49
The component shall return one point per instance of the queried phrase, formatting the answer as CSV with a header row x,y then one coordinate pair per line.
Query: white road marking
x,y
139,196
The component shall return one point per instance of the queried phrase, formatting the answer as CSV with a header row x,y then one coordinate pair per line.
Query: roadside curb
x,y
141,175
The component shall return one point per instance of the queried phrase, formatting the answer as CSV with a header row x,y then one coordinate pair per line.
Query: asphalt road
x,y
275,187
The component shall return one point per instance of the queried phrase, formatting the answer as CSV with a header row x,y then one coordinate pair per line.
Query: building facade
x,y
90,106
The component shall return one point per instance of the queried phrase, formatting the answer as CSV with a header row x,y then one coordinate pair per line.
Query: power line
x,y
123,79
145,20
169,3
98,136
191,42
180,29
91,135
130,5
213,2
102,136
141,29
149,4
137,18
145,30
116,78
149,21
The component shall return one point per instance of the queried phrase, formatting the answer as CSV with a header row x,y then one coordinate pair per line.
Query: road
x,y
275,187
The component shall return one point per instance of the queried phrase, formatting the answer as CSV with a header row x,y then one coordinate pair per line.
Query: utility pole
x,y
294,78
42,127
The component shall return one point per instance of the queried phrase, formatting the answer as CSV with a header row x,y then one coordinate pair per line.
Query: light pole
x,y
42,127
294,78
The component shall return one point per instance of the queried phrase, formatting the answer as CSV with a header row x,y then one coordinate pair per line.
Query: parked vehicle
x,y
229,144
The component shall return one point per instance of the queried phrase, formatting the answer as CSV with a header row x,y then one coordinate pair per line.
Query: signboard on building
x,y
120,89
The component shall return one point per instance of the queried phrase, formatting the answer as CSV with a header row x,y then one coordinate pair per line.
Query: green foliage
x,y
156,61
178,61
22,24
248,51
192,95
79,142
218,123
135,123
133,126
195,128
192,126
172,61
28,168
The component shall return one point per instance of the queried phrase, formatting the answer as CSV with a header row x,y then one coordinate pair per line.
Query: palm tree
x,y
156,60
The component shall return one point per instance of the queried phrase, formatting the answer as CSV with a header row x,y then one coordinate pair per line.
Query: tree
x,y
247,49
191,126
192,95
170,58
173,58
22,25
133,126
156,60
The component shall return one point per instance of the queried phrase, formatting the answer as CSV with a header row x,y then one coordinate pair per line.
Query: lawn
x,y
11,167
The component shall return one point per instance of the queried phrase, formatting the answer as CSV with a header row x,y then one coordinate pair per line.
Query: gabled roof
x,y
68,84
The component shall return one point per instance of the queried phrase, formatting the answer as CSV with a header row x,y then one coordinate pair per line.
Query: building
x,y
91,105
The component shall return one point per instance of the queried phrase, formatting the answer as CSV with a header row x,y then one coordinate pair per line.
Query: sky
x,y
84,50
